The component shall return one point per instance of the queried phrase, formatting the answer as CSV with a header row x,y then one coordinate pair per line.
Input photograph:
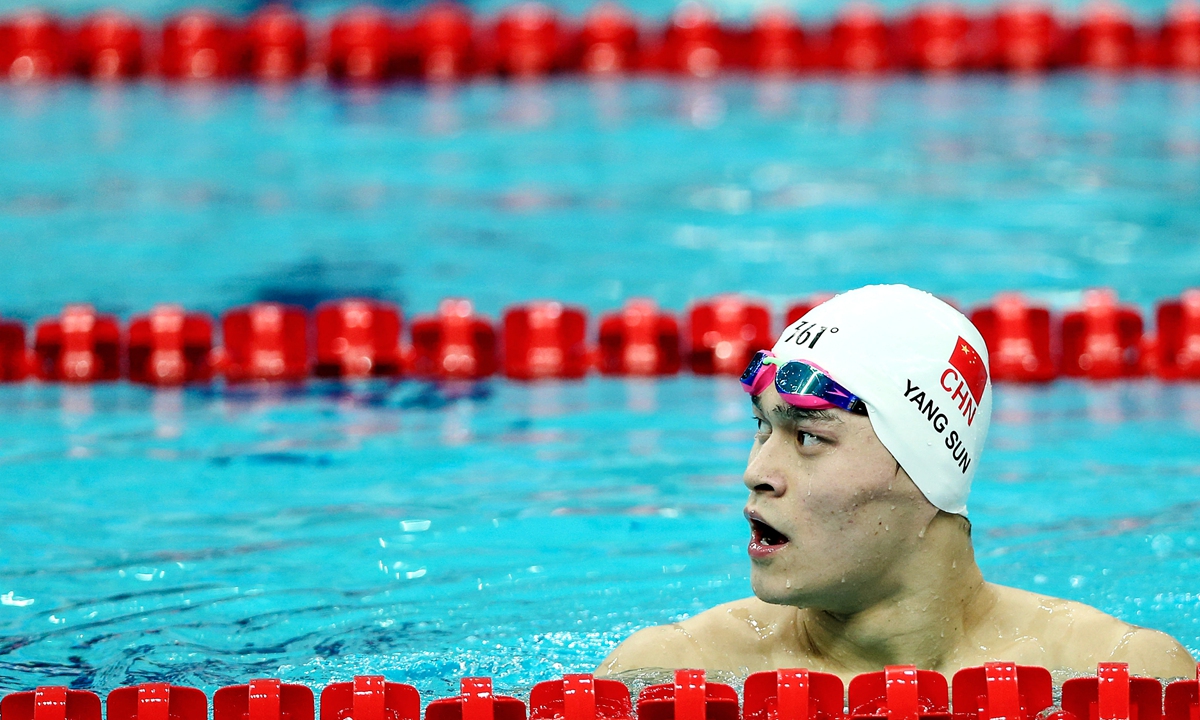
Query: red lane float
x,y
793,694
693,44
455,344
33,46
1025,39
545,340
527,41
1105,39
939,39
1181,701
277,44
1018,339
776,44
170,347
265,341
369,697
1113,695
608,42
14,357
859,41
110,46
477,702
1178,339
78,346
639,340
725,332
199,45
358,338
1179,38
157,701
51,703
362,48
263,699
1101,341
1002,690
580,697
899,691
690,697
443,41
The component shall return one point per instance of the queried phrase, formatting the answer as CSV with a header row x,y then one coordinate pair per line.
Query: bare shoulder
x,y
712,640
1075,636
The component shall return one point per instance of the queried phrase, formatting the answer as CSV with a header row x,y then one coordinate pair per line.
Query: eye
x,y
807,439
761,427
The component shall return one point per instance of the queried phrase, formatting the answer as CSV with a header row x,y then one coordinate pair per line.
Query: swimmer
x,y
872,411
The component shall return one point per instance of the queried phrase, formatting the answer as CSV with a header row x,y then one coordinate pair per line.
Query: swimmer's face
x,y
832,514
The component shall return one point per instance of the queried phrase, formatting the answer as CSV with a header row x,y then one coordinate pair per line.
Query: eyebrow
x,y
796,414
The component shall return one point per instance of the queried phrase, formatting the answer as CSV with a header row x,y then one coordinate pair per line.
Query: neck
x,y
939,593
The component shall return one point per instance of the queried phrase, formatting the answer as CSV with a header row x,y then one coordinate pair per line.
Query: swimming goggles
x,y
799,383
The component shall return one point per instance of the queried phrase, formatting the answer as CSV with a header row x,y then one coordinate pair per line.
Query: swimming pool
x,y
210,535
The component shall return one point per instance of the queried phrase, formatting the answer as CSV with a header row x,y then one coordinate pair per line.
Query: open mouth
x,y
764,539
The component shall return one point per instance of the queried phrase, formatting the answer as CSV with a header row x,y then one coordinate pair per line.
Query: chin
x,y
775,590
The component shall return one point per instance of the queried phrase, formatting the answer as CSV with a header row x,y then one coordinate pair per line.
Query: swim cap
x,y
921,369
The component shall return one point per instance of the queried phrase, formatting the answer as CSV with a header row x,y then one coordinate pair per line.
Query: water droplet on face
x,y
788,584
953,564
921,534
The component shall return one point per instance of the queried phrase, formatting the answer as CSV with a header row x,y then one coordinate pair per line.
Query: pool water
x,y
210,535
519,531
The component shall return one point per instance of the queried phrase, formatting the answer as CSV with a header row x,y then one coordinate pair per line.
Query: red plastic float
x,y
110,46
1181,701
725,333
1102,340
1179,38
580,697
528,41
690,697
362,47
608,42
78,346
938,38
1105,39
793,694
1178,342
1018,339
14,357
776,43
477,702
1113,695
693,44
51,703
33,46
170,346
859,41
199,45
456,344
1002,691
900,692
263,699
443,40
545,340
277,44
369,697
265,341
157,701
1025,39
639,340
358,338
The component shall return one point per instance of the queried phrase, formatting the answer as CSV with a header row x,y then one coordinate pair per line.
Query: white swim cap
x,y
921,369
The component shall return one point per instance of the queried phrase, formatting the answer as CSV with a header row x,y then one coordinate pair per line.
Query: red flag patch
x,y
970,367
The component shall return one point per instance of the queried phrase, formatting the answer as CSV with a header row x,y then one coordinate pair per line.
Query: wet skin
x,y
853,569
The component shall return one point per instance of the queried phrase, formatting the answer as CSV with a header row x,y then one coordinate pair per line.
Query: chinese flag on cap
x,y
970,367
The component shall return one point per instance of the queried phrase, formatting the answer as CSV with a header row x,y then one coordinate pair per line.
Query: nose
x,y
763,475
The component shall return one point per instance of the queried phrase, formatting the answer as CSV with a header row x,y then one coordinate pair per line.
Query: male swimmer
x,y
872,411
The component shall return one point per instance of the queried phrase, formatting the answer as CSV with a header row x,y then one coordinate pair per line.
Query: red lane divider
x,y
477,702
444,41
51,703
359,338
370,697
1181,701
690,697
900,692
1113,695
1002,690
580,697
157,701
793,694
263,699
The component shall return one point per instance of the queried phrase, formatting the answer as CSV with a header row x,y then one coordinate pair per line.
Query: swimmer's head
x,y
842,497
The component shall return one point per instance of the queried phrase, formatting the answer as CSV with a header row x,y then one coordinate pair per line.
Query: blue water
x,y
209,535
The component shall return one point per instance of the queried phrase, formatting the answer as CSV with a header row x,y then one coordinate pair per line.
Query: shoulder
x,y
1076,636
709,640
